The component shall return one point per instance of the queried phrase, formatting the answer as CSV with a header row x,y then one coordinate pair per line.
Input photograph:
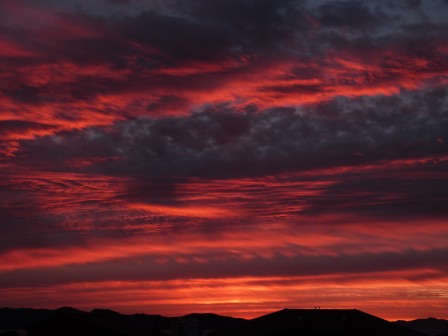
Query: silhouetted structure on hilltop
x,y
324,322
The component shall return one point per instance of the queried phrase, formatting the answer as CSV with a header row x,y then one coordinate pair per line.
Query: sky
x,y
226,156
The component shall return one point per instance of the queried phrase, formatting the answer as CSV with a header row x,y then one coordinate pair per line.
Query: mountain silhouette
x,y
20,318
430,326
70,325
325,322
217,322
103,322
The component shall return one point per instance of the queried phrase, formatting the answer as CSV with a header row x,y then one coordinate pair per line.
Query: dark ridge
x,y
70,325
19,318
104,312
137,325
430,326
209,321
334,322
103,322
68,310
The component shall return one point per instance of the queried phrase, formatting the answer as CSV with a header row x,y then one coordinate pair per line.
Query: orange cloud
x,y
184,211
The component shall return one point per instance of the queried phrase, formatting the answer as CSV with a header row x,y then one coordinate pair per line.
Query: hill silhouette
x,y
19,318
103,322
70,325
429,326
325,322
210,321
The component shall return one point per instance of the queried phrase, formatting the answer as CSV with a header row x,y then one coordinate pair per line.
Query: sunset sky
x,y
226,156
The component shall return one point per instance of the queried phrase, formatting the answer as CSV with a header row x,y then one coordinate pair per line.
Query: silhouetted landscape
x,y
68,321
429,326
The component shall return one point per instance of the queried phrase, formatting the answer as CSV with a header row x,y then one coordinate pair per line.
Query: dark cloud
x,y
119,2
253,24
158,154
176,38
414,3
227,143
354,15
27,94
167,102
390,194
202,45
